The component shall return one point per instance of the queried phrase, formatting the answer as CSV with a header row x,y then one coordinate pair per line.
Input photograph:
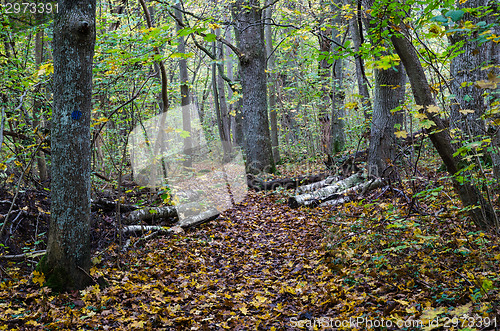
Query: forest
x,y
249,165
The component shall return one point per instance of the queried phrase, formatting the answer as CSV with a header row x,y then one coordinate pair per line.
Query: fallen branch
x,y
23,256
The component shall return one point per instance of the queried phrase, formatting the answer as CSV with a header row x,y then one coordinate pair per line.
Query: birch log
x,y
361,189
314,186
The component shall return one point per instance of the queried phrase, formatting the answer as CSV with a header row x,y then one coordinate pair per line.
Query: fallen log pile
x,y
331,192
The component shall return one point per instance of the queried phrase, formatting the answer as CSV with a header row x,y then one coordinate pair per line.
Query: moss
x,y
55,278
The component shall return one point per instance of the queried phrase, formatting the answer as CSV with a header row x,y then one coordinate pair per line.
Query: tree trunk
x,y
38,109
250,40
337,136
221,91
325,90
271,65
223,133
466,69
389,94
67,262
355,27
484,217
185,95
494,100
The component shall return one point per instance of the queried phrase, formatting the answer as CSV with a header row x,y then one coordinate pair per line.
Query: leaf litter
x,y
372,263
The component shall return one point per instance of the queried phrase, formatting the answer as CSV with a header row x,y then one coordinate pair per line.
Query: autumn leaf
x,y
486,84
38,278
401,134
420,116
433,109
466,111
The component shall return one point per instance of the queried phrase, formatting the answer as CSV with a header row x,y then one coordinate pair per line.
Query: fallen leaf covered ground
x,y
370,264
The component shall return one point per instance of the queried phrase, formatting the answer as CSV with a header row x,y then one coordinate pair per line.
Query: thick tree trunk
x,y
484,217
67,261
389,94
466,69
271,65
250,39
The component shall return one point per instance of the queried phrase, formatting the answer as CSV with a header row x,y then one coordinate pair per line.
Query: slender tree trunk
x,y
67,261
220,107
494,97
337,137
355,28
250,39
271,65
221,91
38,108
185,96
484,217
325,98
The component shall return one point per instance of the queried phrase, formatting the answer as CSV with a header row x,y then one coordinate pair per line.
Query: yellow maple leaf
x,y
401,134
214,26
420,116
433,109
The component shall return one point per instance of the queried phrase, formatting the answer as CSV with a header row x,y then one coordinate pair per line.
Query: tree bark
x,y
67,261
466,69
250,40
389,94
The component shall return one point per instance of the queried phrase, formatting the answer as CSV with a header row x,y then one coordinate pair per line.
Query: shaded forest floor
x,y
373,263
